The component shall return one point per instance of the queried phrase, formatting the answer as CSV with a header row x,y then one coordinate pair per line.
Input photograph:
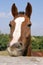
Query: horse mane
x,y
21,12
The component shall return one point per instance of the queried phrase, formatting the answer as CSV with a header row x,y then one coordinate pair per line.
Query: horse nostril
x,y
20,43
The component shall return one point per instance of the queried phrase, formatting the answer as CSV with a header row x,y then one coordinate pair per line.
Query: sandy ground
x,y
7,60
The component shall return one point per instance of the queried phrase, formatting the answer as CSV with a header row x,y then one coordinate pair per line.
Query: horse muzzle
x,y
16,49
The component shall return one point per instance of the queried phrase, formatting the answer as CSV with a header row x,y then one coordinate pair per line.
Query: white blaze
x,y
17,31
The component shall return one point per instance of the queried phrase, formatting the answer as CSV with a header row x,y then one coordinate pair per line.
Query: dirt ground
x,y
7,60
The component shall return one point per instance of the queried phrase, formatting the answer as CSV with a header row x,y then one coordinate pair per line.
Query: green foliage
x,y
37,42
4,39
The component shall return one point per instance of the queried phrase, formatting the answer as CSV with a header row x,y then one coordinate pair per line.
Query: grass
x,y
4,53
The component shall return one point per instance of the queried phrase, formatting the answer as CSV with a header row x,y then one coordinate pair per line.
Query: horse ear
x,y
28,10
14,10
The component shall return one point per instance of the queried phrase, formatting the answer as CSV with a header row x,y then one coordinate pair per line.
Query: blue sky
x,y
36,18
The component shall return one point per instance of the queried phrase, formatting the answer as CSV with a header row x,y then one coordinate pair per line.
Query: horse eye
x,y
10,25
29,25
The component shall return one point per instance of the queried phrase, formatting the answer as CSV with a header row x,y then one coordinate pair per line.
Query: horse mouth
x,y
15,50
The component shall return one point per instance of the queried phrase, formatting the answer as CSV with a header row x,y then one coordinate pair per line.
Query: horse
x,y
20,32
